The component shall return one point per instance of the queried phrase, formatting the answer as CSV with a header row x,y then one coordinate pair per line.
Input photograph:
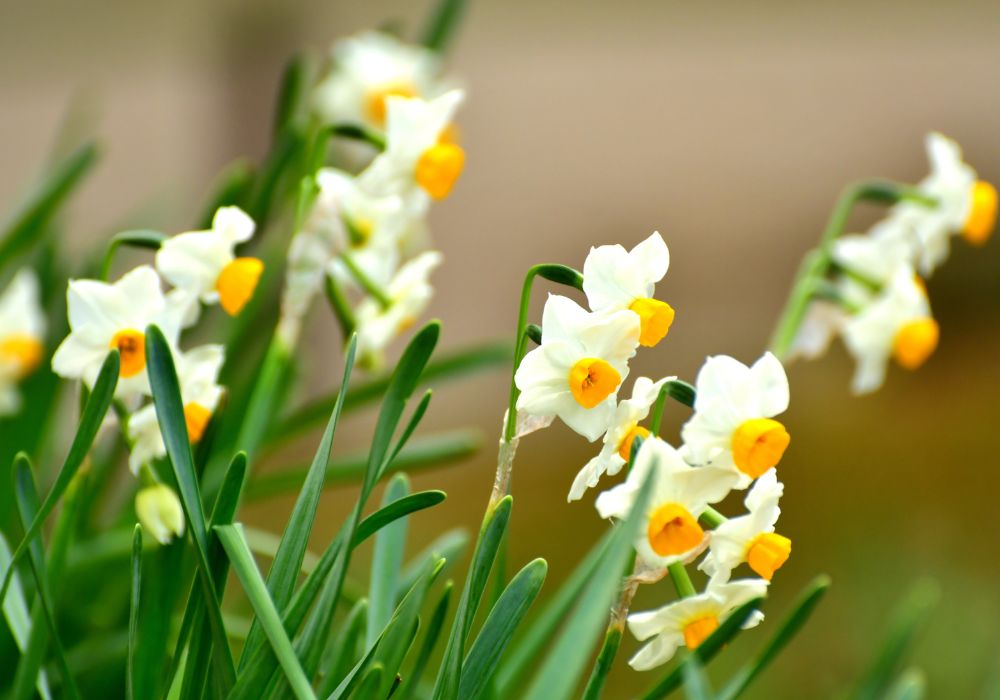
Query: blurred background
x,y
730,128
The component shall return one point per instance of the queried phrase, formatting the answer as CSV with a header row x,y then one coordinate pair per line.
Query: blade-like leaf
x,y
15,610
387,560
398,508
449,546
347,646
484,656
431,637
911,685
133,615
696,685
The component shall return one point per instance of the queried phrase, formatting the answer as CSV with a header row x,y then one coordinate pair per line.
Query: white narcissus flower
x,y
197,374
619,436
419,159
160,512
733,425
204,263
897,324
367,70
822,322
103,316
616,279
22,331
679,495
690,621
576,371
750,538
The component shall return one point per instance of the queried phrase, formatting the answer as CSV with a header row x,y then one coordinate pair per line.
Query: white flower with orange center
x,y
204,262
103,316
197,374
160,512
576,371
616,279
750,538
370,68
733,425
897,324
690,621
22,331
420,159
680,493
620,435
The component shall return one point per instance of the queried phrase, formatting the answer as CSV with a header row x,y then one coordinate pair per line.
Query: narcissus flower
x,y
733,424
680,493
103,316
576,371
22,330
750,538
160,512
616,279
897,324
690,621
197,373
367,70
419,158
620,435
204,262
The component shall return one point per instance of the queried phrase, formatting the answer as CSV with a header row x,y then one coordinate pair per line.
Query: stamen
x,y
758,445
131,346
673,530
915,342
655,317
592,380
237,282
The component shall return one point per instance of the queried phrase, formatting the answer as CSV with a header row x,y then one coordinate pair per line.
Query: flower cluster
x,y
875,298
731,442
202,268
366,235
22,332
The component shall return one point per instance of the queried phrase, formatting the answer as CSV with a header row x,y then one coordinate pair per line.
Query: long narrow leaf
x,y
15,610
395,510
347,646
429,644
387,560
133,615
696,685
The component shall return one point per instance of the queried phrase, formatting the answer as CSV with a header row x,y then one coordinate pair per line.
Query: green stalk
x,y
682,582
366,282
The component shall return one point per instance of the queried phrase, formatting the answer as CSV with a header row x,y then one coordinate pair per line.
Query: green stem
x,y
682,582
359,133
341,307
365,282
711,517
679,391
605,659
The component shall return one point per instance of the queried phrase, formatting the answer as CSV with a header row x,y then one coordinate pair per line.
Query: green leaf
x,y
696,685
448,546
387,560
170,414
506,615
369,685
393,511
442,24
293,95
15,610
133,615
911,685
490,535
140,238
793,622
411,426
230,188
345,648
256,590
90,422
431,637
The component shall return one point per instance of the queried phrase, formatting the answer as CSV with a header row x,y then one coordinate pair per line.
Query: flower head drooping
x,y
615,279
690,621
419,160
368,69
22,330
576,371
733,424
103,316
897,324
619,436
750,538
197,373
204,262
160,512
680,493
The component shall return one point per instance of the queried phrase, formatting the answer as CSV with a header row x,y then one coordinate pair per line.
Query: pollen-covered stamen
x,y
23,351
982,217
673,530
196,419
915,342
592,380
697,631
237,282
131,346
655,317
758,445
438,168
767,552
625,446
375,101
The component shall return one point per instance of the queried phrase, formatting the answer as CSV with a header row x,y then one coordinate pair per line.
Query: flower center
x,y
767,552
758,445
592,380
131,346
982,218
915,342
196,419
375,102
438,169
655,317
22,350
625,446
237,282
359,231
673,530
699,630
